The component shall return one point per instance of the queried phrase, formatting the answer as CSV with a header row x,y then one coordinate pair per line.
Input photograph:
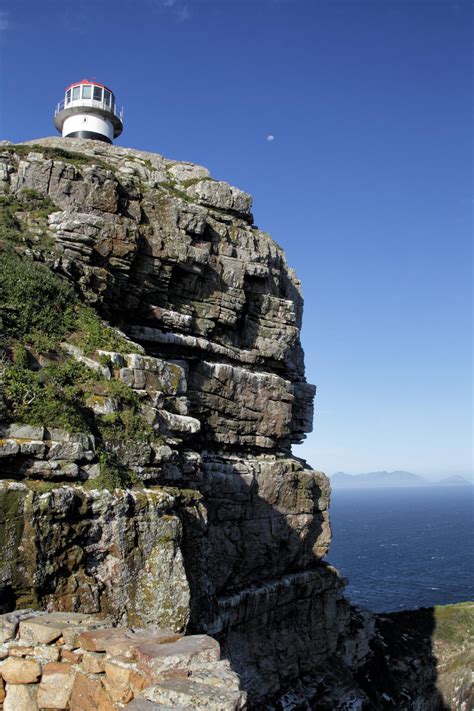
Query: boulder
x,y
88,693
9,623
190,694
16,670
8,447
49,627
186,653
21,697
20,431
56,684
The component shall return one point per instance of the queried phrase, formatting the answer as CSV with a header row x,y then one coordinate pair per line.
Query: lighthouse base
x,y
89,134
81,124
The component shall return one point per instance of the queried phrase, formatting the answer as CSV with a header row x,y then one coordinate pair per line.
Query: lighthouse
x,y
88,110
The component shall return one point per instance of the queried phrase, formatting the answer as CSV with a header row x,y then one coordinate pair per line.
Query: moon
x,y
270,138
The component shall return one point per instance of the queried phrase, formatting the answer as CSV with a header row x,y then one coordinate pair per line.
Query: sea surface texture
x,y
404,548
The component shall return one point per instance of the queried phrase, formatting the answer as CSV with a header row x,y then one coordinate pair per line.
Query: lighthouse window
x,y
76,93
68,96
97,93
107,97
86,92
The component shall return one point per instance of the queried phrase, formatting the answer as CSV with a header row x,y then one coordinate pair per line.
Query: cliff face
x,y
232,544
146,460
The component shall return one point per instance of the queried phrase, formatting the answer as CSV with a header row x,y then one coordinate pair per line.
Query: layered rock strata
x,y
172,257
224,531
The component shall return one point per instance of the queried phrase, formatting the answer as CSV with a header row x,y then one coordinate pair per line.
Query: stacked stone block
x,y
80,663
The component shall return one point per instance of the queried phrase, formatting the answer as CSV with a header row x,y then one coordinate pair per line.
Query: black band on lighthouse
x,y
89,134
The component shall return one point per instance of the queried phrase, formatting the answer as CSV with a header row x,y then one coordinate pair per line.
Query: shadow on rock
x,y
420,659
259,585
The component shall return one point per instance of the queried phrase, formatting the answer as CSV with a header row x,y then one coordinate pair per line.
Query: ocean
x,y
404,548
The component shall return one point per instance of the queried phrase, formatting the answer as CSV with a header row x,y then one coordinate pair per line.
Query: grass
x,y
170,187
454,623
193,181
28,202
91,334
56,153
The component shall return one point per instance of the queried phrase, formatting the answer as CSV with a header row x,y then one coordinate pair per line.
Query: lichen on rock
x,y
148,425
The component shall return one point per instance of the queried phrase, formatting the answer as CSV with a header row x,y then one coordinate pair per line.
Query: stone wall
x,y
79,662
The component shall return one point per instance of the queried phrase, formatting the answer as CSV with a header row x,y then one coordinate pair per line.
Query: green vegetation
x,y
193,181
36,306
40,308
34,203
56,153
10,226
53,395
28,202
112,474
185,497
454,623
92,334
170,187
127,424
145,162
43,386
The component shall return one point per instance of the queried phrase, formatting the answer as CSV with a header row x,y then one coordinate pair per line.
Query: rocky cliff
x,y
152,388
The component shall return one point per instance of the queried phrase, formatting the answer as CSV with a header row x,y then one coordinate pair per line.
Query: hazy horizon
x,y
431,478
431,475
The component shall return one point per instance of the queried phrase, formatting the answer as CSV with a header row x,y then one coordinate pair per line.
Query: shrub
x,y
112,474
34,302
53,396
39,307
124,426
128,423
93,334
10,227
27,201
127,396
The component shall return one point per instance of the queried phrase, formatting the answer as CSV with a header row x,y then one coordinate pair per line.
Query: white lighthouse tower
x,y
88,111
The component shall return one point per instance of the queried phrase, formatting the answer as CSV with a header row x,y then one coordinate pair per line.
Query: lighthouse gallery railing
x,y
89,102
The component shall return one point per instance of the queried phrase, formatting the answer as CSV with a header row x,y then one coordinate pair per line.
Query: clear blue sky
x,y
367,184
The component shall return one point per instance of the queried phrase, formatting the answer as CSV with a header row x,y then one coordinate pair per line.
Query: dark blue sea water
x,y
404,548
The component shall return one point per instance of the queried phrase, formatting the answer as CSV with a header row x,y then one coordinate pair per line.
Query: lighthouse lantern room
x,y
88,110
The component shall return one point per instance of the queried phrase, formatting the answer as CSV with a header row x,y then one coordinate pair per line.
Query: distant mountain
x,y
454,480
387,479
